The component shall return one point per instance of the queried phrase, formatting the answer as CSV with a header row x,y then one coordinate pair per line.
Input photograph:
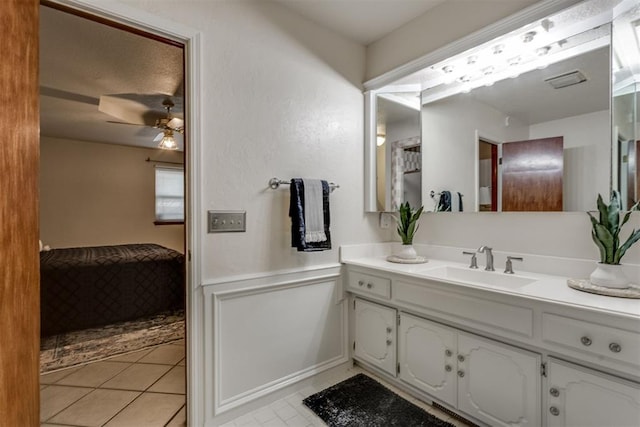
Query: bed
x,y
91,287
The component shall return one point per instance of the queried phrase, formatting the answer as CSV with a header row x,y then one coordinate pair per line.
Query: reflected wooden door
x,y
19,261
532,175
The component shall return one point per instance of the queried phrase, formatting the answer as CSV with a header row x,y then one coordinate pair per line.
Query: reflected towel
x,y
313,212
297,214
456,202
444,203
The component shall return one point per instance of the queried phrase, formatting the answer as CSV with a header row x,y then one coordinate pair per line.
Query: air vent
x,y
567,79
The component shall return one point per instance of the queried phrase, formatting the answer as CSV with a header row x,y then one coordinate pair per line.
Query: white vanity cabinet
x,y
427,355
501,358
492,382
582,397
375,335
497,383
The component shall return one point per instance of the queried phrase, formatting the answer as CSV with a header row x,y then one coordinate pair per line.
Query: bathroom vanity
x,y
501,349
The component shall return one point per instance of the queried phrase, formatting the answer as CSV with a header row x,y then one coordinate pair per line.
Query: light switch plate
x,y
386,219
226,221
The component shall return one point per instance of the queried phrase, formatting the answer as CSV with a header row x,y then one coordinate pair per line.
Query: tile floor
x,y
290,412
147,388
144,388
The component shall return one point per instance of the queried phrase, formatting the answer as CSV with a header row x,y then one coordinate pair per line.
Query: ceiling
x,y
532,100
81,60
363,21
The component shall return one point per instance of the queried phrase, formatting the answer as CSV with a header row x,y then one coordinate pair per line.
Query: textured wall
x,y
100,194
281,98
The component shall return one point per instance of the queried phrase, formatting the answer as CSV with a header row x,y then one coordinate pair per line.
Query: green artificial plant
x,y
606,230
408,222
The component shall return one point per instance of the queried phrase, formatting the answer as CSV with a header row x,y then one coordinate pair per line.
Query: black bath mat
x,y
363,402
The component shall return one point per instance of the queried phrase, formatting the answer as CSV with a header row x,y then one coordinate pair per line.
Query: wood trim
x,y
110,23
19,163
168,223
494,178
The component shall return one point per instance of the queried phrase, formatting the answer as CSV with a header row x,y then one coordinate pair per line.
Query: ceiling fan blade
x,y
129,110
124,123
176,123
158,137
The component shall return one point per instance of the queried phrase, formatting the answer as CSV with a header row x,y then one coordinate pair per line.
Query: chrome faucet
x,y
487,250
509,265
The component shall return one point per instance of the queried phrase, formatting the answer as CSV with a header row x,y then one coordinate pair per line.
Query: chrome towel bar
x,y
274,183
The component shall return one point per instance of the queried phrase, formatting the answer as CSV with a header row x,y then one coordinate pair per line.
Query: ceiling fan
x,y
169,125
135,109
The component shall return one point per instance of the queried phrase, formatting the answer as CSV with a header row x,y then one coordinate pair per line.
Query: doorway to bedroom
x,y
112,222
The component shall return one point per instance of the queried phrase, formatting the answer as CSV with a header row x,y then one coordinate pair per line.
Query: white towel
x,y
455,201
313,213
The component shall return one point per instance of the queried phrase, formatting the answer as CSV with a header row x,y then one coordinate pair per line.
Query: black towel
x,y
296,212
444,204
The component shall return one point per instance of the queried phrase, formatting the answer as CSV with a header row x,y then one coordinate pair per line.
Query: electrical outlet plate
x,y
386,219
226,221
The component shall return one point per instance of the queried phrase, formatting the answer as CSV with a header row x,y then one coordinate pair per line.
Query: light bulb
x,y
528,37
380,139
168,142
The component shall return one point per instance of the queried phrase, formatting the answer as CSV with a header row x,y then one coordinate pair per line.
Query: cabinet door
x,y
580,397
427,357
376,335
498,384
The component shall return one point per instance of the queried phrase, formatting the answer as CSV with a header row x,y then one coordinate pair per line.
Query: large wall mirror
x,y
522,122
626,100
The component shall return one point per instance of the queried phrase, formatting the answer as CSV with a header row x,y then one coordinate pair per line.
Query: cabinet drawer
x,y
592,338
369,285
492,316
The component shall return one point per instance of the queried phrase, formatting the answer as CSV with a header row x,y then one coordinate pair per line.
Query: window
x,y
169,195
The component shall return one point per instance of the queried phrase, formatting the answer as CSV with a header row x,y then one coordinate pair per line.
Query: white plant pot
x,y
610,276
407,252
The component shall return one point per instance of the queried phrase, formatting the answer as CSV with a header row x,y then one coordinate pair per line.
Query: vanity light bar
x,y
494,73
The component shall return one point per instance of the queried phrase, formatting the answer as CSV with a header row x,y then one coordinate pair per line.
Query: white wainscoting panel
x,y
263,334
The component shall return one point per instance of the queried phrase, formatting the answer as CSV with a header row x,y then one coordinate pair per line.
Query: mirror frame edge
x,y
370,122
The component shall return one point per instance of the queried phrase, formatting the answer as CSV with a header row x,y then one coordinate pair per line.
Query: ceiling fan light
x,y
168,142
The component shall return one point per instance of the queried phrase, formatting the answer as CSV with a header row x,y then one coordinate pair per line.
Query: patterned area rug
x,y
74,348
362,401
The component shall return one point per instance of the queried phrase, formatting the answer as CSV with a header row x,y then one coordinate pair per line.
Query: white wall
x,y
281,97
441,25
449,154
100,194
587,156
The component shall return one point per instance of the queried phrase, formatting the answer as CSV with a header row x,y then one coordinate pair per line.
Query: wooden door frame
x,y
120,14
495,175
19,260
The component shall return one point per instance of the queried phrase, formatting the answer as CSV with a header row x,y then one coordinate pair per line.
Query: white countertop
x,y
548,288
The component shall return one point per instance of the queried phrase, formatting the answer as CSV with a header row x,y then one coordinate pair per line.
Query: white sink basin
x,y
468,275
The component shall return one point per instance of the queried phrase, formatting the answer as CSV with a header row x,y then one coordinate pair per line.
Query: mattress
x,y
94,286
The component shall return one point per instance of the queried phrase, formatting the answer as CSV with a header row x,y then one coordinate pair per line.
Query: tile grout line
x,y
174,415
100,386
